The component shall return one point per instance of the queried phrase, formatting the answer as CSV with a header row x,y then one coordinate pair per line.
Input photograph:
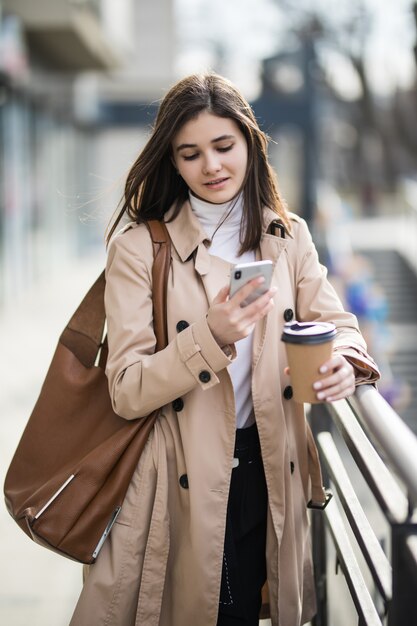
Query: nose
x,y
211,163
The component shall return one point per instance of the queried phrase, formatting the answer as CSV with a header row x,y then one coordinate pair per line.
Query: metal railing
x,y
380,573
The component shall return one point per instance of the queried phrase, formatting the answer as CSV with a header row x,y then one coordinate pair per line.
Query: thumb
x,y
222,295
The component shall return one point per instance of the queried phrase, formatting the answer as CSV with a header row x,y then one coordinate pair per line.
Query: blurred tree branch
x,y
347,31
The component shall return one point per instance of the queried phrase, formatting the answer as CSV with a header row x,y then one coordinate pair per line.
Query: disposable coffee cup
x,y
308,346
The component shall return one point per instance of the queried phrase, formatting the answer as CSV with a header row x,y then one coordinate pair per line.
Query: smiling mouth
x,y
217,181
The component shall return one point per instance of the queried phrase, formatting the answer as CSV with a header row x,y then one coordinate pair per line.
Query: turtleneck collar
x,y
216,217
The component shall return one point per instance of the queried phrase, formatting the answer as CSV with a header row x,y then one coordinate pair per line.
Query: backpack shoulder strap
x,y
277,229
83,334
161,242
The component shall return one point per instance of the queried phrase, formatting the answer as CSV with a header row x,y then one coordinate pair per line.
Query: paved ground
x,y
37,587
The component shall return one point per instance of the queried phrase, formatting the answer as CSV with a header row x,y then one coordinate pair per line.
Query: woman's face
x,y
211,155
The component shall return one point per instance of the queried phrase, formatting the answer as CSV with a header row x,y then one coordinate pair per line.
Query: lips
x,y
216,181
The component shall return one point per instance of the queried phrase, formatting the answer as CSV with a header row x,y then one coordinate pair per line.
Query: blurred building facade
x,y
68,70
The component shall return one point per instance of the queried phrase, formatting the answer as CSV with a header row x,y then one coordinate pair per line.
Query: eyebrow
x,y
194,145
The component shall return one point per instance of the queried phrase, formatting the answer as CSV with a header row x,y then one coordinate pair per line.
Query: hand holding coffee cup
x,y
317,375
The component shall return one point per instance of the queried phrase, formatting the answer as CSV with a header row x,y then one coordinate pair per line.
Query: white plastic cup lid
x,y
308,332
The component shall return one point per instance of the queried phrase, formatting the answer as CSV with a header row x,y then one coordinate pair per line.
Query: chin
x,y
219,198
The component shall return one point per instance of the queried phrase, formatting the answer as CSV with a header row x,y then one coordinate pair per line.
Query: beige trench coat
x,y
162,563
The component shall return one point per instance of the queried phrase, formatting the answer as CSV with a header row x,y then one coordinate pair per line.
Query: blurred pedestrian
x,y
217,505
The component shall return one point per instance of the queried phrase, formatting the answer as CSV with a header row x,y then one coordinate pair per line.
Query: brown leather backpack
x,y
67,480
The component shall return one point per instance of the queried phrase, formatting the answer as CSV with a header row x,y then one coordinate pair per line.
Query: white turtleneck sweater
x,y
225,243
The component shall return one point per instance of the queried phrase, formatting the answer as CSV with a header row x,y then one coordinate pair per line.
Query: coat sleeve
x,y
318,301
141,380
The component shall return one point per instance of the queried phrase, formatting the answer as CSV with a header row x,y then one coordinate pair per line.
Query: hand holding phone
x,y
242,273
229,318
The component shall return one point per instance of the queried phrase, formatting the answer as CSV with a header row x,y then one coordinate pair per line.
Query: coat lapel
x,y
217,277
271,248
189,238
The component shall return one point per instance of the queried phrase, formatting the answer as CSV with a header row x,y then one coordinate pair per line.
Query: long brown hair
x,y
153,185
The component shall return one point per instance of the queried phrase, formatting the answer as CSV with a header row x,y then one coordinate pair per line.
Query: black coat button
x,y
184,481
204,376
178,404
288,392
292,467
182,325
288,315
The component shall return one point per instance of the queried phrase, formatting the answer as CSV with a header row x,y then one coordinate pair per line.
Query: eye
x,y
190,157
225,149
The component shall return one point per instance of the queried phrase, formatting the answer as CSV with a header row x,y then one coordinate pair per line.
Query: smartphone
x,y
244,272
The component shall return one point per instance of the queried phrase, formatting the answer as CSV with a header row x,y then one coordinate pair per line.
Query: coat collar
x,y
185,231
271,247
187,235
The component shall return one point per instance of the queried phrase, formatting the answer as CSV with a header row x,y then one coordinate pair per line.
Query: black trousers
x,y
244,562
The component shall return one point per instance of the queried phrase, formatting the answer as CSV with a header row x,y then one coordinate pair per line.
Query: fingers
x,y
251,313
259,307
222,295
244,318
340,383
245,291
229,321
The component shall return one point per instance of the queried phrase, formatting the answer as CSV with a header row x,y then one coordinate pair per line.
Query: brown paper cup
x,y
308,346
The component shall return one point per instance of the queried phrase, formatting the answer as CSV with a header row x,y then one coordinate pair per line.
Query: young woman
x,y
217,505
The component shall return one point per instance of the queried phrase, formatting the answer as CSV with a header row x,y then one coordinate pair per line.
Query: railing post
x,y
403,607
320,421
